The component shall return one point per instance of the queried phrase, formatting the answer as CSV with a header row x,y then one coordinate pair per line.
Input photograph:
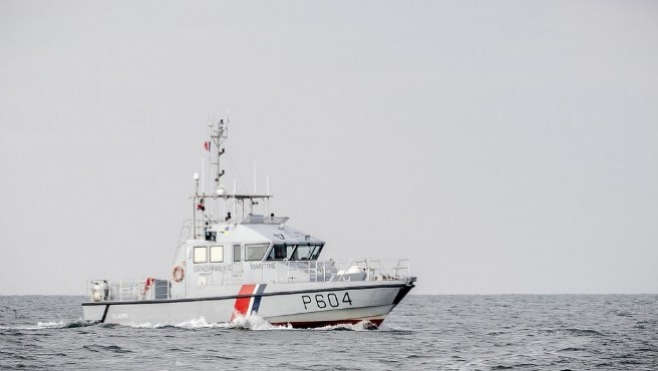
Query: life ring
x,y
178,274
147,285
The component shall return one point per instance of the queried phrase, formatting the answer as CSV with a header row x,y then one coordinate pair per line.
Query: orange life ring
x,y
178,273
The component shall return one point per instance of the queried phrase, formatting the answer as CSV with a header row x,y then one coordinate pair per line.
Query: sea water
x,y
516,332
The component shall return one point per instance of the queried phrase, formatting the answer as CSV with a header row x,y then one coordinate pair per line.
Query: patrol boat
x,y
245,264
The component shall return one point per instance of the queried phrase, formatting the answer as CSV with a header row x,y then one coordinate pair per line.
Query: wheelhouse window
x,y
295,252
237,253
280,252
303,252
255,252
315,252
200,254
290,251
217,254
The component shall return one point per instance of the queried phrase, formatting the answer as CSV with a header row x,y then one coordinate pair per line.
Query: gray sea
x,y
506,332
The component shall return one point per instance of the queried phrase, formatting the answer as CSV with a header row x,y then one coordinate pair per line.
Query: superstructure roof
x,y
284,234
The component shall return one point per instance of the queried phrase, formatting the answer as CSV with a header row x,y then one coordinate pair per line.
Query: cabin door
x,y
237,260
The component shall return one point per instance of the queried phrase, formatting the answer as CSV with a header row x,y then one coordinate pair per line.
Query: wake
x,y
249,323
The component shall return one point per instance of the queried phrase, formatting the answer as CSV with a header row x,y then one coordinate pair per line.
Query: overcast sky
x,y
503,147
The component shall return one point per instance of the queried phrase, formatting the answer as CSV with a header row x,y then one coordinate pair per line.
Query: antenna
x,y
203,177
254,176
267,180
235,200
218,133
196,194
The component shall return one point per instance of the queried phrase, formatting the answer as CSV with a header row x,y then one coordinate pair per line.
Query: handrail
x,y
342,275
306,271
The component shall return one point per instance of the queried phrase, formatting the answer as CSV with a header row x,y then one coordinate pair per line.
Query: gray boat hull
x,y
298,305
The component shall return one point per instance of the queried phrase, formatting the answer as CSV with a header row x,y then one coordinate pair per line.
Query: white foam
x,y
59,324
39,326
254,322
144,325
359,326
200,323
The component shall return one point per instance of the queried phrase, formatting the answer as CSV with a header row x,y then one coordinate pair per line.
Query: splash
x,y
59,324
359,326
255,323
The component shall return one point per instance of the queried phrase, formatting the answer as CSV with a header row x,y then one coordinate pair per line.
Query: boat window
x,y
316,253
237,253
278,252
303,252
312,251
200,254
294,252
290,250
255,252
217,254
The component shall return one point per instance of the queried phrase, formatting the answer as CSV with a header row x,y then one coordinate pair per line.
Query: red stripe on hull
x,y
242,304
371,323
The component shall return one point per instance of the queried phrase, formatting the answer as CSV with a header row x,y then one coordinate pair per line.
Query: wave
x,y
574,331
51,325
583,332
96,348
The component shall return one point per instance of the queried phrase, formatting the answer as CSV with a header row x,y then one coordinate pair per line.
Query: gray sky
x,y
504,147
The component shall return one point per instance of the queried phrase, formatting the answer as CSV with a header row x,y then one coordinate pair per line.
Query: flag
x,y
206,145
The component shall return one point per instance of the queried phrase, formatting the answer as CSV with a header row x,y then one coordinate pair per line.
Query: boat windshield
x,y
294,252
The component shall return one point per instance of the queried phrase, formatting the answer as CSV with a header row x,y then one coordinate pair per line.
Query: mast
x,y
218,132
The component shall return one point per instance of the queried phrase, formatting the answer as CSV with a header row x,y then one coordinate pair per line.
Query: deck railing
x,y
129,290
258,272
